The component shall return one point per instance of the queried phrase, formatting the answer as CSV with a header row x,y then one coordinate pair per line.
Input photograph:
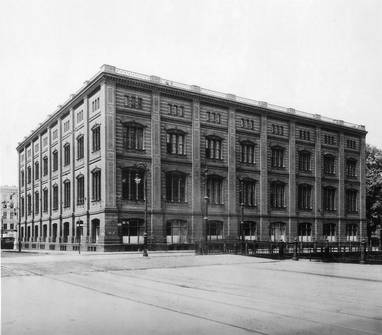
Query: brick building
x,y
83,170
8,211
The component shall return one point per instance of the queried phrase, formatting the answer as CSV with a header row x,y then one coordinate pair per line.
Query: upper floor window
x,y
36,170
66,193
131,188
215,189
175,187
213,148
134,102
351,165
45,200
22,176
329,198
277,195
36,202
329,139
247,123
80,116
133,136
329,164
277,129
351,200
96,185
45,141
55,160
96,137
304,196
95,104
80,190
29,204
304,158
55,134
22,206
304,134
29,153
176,110
247,152
29,174
175,142
80,147
66,154
248,192
277,158
213,117
45,166
36,147
351,144
66,126
55,197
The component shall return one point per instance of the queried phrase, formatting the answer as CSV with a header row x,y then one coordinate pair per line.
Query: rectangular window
x,y
247,153
351,232
45,200
96,138
351,201
277,195
66,194
66,154
80,116
175,187
329,232
80,190
22,207
213,148
215,190
36,202
329,199
304,197
133,102
29,204
277,158
55,160
36,148
55,197
66,126
80,147
133,184
45,166
36,171
55,134
45,141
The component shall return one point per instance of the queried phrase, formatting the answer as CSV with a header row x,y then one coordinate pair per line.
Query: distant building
x,y
8,211
82,170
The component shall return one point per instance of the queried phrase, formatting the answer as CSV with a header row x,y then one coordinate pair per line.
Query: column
x,y
50,194
232,207
156,230
341,186
317,183
362,188
197,194
86,170
264,221
60,162
292,190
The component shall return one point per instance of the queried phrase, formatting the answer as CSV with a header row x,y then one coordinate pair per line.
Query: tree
x,y
373,188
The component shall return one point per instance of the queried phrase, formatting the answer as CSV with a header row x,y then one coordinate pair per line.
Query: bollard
x,y
295,250
363,252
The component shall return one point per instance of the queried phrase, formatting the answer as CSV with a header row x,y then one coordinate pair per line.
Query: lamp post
x,y
138,180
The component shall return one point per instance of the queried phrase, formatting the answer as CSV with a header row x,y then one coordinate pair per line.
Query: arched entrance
x,y
95,224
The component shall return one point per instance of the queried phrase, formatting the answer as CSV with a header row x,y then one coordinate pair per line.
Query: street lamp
x,y
206,199
138,180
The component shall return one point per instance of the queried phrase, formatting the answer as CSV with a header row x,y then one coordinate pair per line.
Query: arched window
x,y
29,174
214,230
329,198
130,189
45,200
351,200
66,193
213,147
329,164
66,154
36,170
80,189
277,231
29,204
304,160
175,186
351,165
248,192
277,157
132,231
80,147
249,229
247,152
305,232
55,197
132,136
277,194
329,232
36,202
96,185
215,189
96,137
175,142
176,232
55,160
45,166
304,196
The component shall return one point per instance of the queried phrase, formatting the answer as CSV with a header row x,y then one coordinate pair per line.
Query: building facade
x,y
8,211
126,141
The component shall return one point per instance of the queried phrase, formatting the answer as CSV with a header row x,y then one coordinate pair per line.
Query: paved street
x,y
186,294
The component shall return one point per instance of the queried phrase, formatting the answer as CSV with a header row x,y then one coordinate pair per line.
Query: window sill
x,y
279,208
176,202
278,167
95,200
177,155
134,150
215,159
305,209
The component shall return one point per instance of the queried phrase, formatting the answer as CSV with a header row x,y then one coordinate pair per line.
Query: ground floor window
x,y
277,232
329,232
176,231
351,232
214,230
132,231
305,232
249,229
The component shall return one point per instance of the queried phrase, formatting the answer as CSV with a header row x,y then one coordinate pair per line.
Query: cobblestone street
x,y
180,293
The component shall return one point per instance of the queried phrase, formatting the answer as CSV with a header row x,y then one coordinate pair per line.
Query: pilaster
x,y
263,179
232,229
362,188
317,183
341,185
292,179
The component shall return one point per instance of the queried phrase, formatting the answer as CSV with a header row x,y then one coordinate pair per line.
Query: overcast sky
x,y
322,57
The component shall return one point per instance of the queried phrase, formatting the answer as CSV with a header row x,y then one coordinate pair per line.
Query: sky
x,y
321,57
